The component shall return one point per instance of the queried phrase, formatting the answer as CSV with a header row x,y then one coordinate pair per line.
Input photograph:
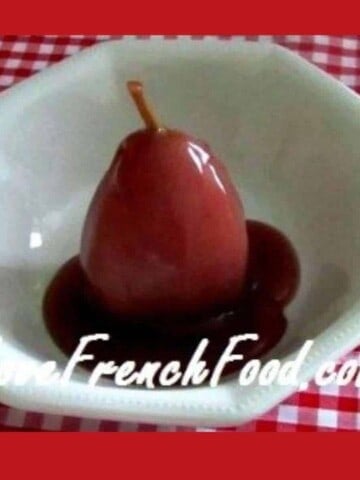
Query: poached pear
x,y
165,233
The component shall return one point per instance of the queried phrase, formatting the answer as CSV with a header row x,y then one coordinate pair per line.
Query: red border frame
x,y
185,17
225,455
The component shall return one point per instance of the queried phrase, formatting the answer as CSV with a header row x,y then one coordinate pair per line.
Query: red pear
x,y
165,233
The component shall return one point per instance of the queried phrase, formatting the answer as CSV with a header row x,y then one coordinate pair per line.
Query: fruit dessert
x,y
168,258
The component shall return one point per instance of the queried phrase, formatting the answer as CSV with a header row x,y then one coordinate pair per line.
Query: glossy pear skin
x,y
165,232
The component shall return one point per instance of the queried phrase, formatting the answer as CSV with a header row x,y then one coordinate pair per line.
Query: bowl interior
x,y
288,135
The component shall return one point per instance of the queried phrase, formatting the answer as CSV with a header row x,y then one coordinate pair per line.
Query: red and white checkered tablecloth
x,y
316,409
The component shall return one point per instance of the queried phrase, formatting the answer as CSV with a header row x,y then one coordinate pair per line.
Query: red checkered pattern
x,y
316,409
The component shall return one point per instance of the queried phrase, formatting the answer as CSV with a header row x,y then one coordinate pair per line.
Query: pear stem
x,y
147,114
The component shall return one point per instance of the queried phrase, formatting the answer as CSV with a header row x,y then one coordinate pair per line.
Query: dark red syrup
x,y
272,281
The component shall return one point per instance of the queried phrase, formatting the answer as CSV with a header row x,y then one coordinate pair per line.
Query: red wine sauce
x,y
272,281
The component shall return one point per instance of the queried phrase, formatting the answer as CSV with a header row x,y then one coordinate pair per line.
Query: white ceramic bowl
x,y
290,136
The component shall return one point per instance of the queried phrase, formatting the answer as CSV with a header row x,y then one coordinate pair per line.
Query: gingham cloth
x,y
316,409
